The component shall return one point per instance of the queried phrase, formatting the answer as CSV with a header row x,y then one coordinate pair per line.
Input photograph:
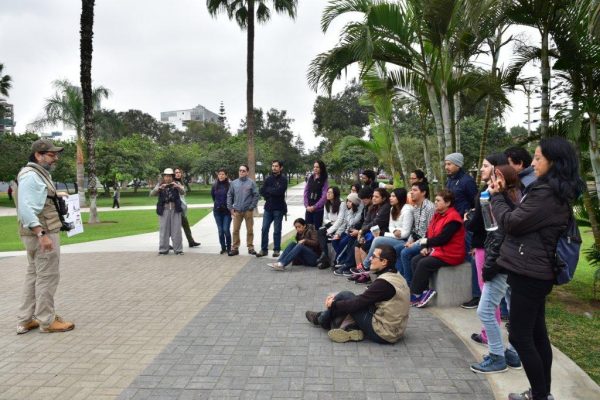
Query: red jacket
x,y
453,252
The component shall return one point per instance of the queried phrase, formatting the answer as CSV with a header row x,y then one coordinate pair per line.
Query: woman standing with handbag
x,y
532,228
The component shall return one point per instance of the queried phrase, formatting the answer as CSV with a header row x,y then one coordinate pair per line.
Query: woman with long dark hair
x,y
315,194
333,211
527,253
220,212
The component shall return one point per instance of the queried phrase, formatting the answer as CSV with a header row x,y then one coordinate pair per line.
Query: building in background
x,y
180,118
7,117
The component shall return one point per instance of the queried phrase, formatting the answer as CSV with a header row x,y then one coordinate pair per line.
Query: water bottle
x,y
486,210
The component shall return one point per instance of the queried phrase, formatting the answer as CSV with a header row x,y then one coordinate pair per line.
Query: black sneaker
x,y
163,253
262,253
223,251
252,252
194,244
313,317
473,303
276,253
477,338
338,272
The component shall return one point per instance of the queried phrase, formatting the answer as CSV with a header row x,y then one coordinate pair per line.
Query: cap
x,y
456,159
168,171
353,197
43,145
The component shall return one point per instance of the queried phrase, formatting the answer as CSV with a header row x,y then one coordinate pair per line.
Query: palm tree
x,y
86,49
244,12
5,85
66,107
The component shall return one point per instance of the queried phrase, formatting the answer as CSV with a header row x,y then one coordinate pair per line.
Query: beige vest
x,y
49,219
391,316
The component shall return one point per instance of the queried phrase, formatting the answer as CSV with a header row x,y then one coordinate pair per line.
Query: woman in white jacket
x,y
401,220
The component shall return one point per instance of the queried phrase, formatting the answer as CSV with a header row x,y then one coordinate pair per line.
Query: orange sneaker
x,y
58,325
24,328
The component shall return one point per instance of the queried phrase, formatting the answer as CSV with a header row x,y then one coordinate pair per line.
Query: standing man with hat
x,y
465,189
39,227
169,209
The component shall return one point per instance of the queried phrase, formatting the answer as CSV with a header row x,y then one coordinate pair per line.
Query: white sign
x,y
74,215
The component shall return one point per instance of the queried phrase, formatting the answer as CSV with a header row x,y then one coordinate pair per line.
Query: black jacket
x,y
475,224
273,191
377,216
532,231
493,243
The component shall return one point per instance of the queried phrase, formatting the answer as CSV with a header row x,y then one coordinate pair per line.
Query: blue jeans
x,y
363,318
493,292
344,242
378,241
275,216
475,291
223,220
315,218
404,256
299,253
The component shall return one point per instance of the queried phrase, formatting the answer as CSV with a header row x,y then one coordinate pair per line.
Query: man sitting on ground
x,y
380,313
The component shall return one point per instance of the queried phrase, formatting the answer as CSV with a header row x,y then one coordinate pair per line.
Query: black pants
x,y
186,229
423,267
116,203
322,237
528,332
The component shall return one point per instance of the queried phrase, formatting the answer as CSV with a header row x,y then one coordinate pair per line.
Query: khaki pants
x,y
246,216
41,281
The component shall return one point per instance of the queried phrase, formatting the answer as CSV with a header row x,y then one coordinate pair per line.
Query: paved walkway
x,y
209,326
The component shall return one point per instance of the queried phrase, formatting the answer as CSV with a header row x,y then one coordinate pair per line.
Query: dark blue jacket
x,y
219,195
273,191
464,188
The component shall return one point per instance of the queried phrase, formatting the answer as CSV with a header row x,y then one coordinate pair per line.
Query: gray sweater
x,y
242,195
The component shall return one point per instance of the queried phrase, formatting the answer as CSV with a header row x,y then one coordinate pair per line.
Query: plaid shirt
x,y
421,217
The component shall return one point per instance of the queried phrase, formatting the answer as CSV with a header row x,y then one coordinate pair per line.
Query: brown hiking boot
x,y
58,325
24,328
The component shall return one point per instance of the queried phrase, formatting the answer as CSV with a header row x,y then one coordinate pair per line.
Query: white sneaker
x,y
277,266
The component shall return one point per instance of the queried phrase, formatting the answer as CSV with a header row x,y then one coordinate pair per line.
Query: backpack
x,y
567,253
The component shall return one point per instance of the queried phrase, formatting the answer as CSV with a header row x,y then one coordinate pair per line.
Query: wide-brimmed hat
x,y
168,171
44,145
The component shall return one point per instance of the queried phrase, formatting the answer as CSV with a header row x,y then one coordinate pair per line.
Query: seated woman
x,y
401,220
376,223
333,212
444,245
343,243
380,313
305,251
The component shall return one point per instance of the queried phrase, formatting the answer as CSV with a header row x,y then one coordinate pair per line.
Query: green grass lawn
x,y
573,316
113,224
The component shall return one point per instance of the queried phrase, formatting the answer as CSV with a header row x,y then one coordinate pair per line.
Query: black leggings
x,y
528,332
423,267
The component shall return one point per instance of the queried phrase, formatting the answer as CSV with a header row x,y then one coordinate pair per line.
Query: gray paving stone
x,y
251,341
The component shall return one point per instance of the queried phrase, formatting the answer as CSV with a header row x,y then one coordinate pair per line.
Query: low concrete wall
x,y
452,284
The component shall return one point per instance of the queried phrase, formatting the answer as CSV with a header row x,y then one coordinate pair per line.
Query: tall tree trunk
x,y
446,118
594,150
484,136
79,169
86,49
426,156
403,168
437,118
545,109
250,93
457,111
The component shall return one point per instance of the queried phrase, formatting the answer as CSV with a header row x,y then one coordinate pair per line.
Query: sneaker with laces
x,y
347,273
339,266
492,363
313,317
512,359
277,266
359,269
58,325
26,327
526,395
415,299
473,303
338,272
477,338
342,336
426,298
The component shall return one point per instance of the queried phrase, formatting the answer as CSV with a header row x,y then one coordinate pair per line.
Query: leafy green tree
x,y
204,133
66,107
15,150
245,12
5,86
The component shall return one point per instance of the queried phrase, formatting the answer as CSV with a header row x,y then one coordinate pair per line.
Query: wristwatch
x,y
40,233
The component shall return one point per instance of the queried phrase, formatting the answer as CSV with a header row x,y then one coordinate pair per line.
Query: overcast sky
x,y
157,55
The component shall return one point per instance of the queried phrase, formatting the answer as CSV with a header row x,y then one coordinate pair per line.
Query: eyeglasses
x,y
377,257
243,170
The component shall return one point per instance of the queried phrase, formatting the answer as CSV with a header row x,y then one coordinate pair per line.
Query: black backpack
x,y
566,255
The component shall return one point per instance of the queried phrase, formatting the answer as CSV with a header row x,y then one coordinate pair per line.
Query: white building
x,y
180,118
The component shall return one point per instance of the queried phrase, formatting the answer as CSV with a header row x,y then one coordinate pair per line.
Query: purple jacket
x,y
320,204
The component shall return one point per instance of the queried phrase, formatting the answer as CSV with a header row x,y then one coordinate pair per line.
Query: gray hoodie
x,y
242,195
